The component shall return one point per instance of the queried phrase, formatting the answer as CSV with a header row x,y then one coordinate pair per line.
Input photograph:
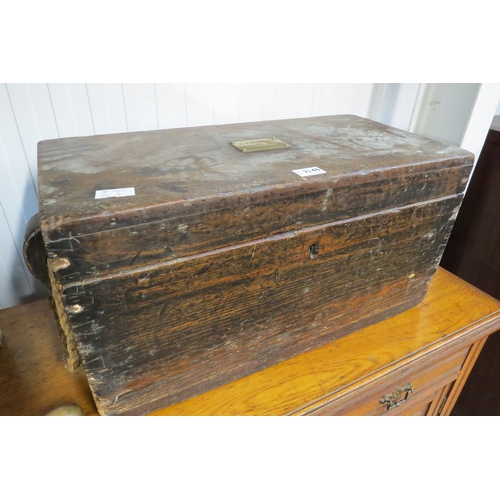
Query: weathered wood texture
x,y
427,343
185,327
342,376
225,263
195,192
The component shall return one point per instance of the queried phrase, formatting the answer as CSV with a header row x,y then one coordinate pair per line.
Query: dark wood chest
x,y
181,260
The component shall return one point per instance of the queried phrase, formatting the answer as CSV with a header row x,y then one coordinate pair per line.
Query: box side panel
x,y
166,333
195,227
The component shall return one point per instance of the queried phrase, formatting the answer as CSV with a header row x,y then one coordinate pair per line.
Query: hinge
x,y
442,406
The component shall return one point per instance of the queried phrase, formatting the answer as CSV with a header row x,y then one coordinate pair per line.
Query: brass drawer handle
x,y
392,401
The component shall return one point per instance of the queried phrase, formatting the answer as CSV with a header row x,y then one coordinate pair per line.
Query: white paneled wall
x,y
33,112
394,103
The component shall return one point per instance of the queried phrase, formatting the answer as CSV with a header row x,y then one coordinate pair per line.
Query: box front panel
x,y
149,237
164,333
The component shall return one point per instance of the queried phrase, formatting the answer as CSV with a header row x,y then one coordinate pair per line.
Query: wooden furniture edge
x,y
471,334
464,374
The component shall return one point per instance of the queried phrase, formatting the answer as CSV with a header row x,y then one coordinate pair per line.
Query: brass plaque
x,y
259,144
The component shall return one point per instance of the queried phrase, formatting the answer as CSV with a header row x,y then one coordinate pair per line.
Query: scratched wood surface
x,y
453,314
186,327
195,192
225,263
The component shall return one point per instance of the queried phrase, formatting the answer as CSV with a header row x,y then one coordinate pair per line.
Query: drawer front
x,y
407,391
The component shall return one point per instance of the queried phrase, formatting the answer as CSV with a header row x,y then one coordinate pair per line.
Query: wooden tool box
x,y
180,260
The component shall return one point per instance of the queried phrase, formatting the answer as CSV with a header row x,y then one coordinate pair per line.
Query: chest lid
x,y
109,202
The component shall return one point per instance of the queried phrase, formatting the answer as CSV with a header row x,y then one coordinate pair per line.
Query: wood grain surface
x,y
230,259
33,378
452,315
153,337
195,192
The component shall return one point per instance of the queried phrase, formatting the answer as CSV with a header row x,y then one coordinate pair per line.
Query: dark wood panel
x,y
195,192
481,392
473,248
473,254
185,327
202,226
225,262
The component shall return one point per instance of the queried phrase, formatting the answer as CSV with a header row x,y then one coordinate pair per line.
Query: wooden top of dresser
x,y
33,379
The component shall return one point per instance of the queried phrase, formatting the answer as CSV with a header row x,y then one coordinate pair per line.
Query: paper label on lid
x,y
305,172
114,193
